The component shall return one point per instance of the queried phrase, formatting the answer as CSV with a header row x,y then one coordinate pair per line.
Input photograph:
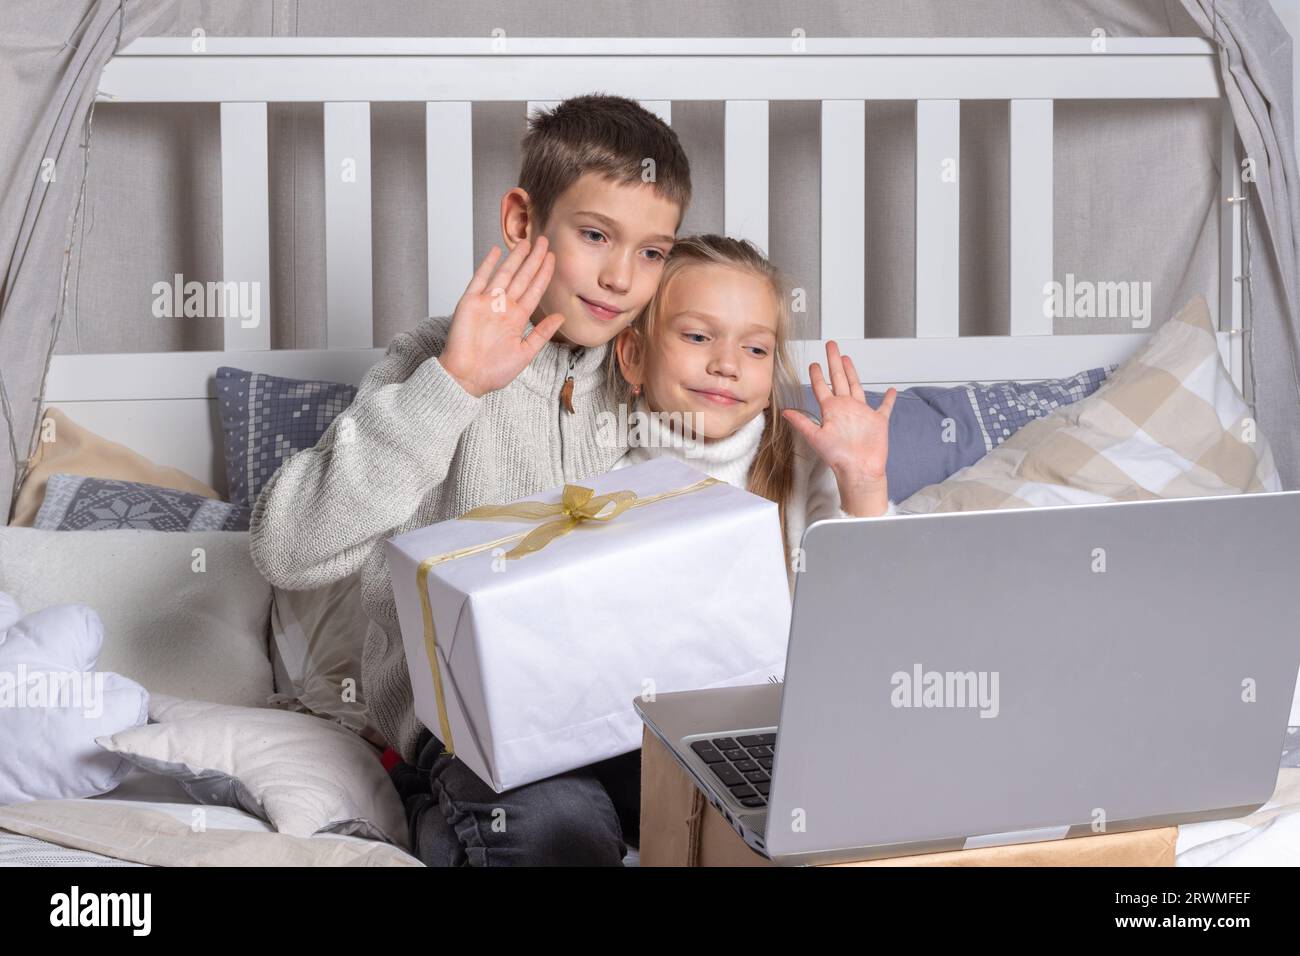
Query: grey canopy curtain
x,y
1255,54
51,55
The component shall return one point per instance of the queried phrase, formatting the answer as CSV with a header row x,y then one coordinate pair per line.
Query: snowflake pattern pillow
x,y
266,419
81,503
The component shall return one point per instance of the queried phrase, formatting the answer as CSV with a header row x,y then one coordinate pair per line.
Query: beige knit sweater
x,y
412,449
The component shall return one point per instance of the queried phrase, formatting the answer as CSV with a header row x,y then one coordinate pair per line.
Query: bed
x,y
166,406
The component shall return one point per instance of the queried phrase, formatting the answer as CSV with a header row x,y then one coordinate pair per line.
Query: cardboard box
x,y
527,667
680,828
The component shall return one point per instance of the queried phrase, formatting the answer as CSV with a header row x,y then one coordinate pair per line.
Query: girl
x,y
706,364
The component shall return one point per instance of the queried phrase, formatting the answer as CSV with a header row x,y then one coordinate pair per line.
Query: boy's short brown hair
x,y
609,135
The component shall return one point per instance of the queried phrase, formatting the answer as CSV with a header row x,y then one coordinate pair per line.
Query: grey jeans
x,y
580,818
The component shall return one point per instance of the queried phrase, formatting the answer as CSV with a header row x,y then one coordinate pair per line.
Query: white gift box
x,y
539,657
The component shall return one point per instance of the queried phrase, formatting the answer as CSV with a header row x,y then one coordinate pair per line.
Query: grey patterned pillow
x,y
265,419
80,503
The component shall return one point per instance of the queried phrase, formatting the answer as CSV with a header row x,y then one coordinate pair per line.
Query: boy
x,y
499,402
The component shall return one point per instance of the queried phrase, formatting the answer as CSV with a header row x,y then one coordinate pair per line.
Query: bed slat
x,y
938,211
449,165
348,268
715,70
1230,264
843,222
745,152
1031,215
245,222
168,376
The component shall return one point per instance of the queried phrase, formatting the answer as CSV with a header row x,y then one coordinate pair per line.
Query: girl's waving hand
x,y
853,438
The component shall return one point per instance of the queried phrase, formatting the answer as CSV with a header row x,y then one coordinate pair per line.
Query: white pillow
x,y
1169,423
185,613
301,774
53,705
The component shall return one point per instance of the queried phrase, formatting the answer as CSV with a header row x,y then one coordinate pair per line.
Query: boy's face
x,y
714,349
610,241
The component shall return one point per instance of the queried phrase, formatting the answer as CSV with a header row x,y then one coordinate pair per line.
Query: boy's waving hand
x,y
486,348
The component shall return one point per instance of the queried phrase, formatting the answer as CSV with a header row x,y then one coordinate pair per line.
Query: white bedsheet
x,y
1268,837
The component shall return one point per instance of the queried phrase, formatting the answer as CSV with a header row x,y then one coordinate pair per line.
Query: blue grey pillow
x,y
265,419
80,503
922,451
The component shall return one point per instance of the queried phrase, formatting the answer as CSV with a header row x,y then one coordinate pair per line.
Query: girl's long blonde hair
x,y
772,474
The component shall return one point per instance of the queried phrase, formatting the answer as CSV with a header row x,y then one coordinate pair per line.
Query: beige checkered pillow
x,y
1169,423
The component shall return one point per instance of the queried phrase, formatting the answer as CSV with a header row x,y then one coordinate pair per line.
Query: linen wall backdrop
x,y
1136,183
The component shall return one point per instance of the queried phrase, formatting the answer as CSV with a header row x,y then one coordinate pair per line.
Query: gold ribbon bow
x,y
576,506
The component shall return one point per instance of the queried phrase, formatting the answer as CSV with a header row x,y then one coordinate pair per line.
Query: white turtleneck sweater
x,y
814,494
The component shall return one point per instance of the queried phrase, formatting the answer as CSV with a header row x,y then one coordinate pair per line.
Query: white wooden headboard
x,y
164,404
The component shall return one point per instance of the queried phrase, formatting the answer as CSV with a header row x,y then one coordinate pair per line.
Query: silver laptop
x,y
984,678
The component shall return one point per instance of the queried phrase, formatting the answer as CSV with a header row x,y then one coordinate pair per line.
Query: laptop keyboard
x,y
743,764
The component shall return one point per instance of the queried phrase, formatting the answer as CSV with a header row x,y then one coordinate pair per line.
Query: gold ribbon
x,y
577,505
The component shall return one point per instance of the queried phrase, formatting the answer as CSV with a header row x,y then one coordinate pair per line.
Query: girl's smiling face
x,y
713,349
